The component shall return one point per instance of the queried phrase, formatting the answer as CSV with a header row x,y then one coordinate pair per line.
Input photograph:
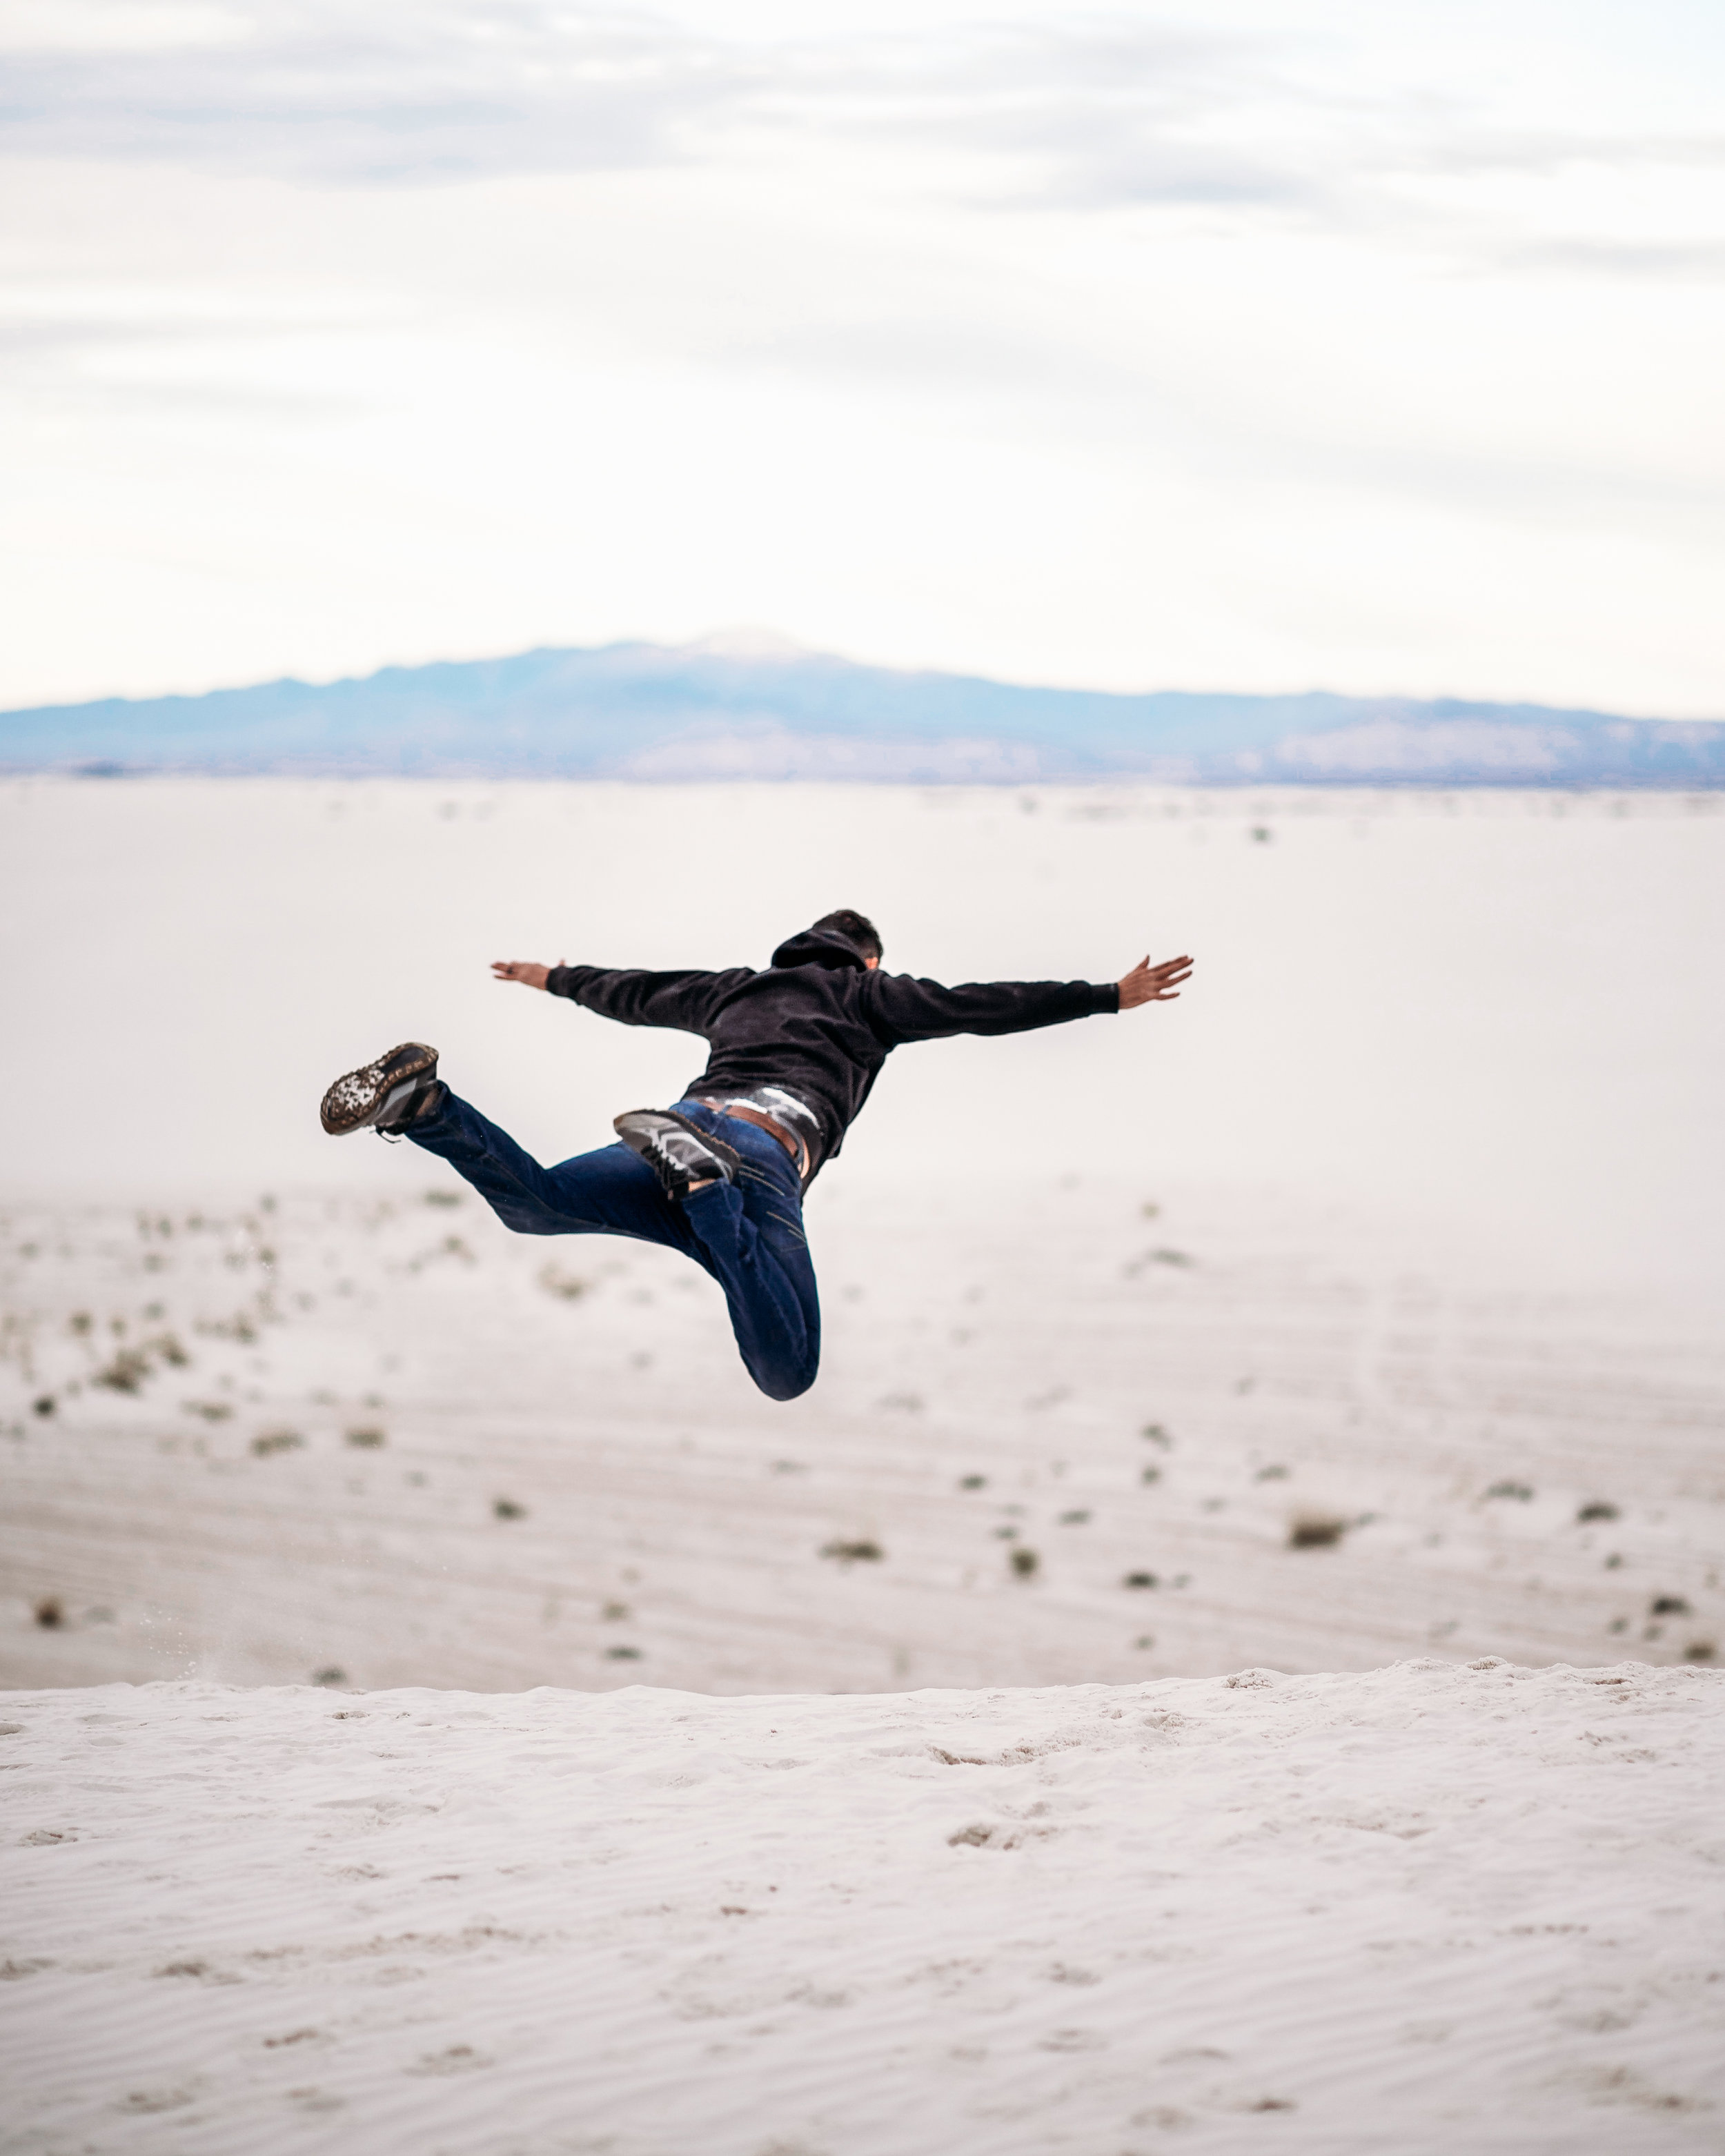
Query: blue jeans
x,y
747,1234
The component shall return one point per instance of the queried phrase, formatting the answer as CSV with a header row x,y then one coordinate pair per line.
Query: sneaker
x,y
678,1152
385,1095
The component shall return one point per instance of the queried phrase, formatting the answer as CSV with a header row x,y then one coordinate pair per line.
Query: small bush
x,y
853,1553
1157,1435
569,1287
239,1328
1074,1519
126,1372
367,1440
442,1197
505,1508
1316,1531
1141,1579
1598,1510
50,1613
276,1440
1272,1474
1518,1490
622,1654
45,1405
1668,1605
1025,1563
1700,1651
973,1482
332,1676
1150,1475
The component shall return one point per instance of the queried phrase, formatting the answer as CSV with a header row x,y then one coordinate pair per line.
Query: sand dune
x,y
1176,1381
388,1440
1428,1909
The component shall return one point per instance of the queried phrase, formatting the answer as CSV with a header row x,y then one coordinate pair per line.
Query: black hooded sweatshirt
x,y
818,1022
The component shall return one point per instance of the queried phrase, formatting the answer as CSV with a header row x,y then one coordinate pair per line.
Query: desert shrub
x,y
1668,1605
45,1405
124,1372
276,1440
853,1553
622,1654
1700,1651
1141,1579
505,1508
332,1676
1074,1519
368,1438
569,1287
1598,1510
973,1482
239,1328
1157,1435
1025,1563
1518,1490
1150,1475
50,1613
1272,1474
1316,1531
442,1197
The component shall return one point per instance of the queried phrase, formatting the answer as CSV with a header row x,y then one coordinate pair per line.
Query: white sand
x,y
669,1523
1430,1909
1498,1009
1411,1227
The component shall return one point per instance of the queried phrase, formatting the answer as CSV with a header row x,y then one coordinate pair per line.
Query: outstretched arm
x,y
682,1002
902,1009
1154,984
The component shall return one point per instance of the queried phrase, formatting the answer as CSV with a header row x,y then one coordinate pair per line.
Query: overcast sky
x,y
1371,344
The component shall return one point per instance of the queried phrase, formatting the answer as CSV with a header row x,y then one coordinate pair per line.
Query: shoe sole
x,y
361,1099
650,1121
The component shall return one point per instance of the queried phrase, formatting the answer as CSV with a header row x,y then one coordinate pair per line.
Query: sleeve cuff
x,y
1105,997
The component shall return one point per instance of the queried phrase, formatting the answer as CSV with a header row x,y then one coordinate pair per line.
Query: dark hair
x,y
855,928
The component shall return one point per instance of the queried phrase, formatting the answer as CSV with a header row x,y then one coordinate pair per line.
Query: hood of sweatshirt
x,y
820,946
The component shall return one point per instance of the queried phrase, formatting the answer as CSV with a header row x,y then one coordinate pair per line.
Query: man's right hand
x,y
524,970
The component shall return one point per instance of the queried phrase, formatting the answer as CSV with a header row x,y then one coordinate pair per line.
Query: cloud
x,y
1065,115
381,95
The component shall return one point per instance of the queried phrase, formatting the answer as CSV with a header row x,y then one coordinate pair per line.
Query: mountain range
x,y
748,707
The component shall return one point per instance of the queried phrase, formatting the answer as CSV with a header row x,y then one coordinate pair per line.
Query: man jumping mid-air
x,y
721,1176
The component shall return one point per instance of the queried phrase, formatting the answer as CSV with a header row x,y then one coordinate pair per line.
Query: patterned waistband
x,y
780,1113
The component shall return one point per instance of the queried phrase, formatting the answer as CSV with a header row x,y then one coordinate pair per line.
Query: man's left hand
x,y
1154,984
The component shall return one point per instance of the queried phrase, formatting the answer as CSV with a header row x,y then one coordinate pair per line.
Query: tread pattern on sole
x,y
356,1095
